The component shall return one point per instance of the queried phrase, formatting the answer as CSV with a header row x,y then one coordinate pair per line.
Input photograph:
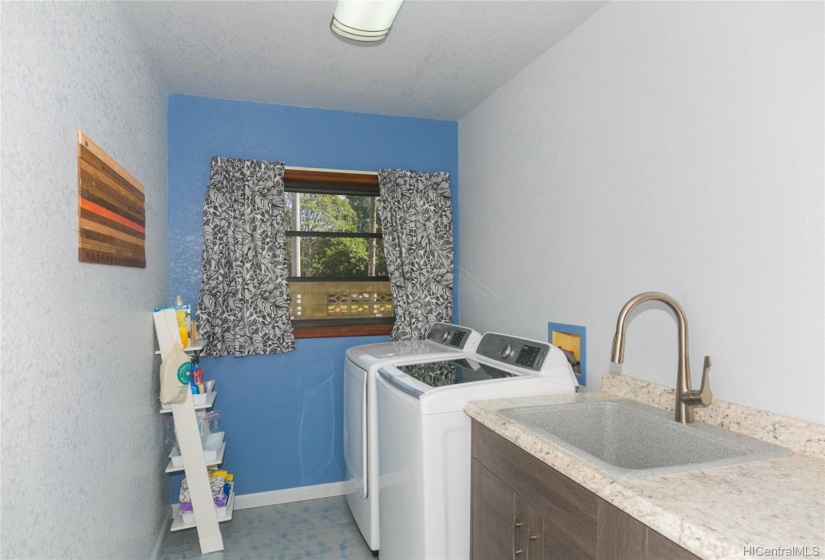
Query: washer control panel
x,y
528,354
453,336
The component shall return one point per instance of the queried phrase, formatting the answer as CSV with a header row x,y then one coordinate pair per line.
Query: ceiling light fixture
x,y
364,20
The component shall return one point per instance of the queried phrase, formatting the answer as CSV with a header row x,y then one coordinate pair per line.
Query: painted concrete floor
x,y
319,529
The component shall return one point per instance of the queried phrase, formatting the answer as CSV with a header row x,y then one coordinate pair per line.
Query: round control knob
x,y
444,336
506,350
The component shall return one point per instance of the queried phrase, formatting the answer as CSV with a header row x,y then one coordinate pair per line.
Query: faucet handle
x,y
704,391
704,396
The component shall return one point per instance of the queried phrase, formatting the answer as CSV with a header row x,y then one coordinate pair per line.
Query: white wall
x,y
675,147
81,447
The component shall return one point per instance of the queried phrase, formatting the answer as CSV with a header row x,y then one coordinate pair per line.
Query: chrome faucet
x,y
686,398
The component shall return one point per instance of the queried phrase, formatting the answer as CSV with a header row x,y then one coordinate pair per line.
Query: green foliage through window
x,y
356,253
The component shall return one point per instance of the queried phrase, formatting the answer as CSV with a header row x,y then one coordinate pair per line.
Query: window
x,y
338,282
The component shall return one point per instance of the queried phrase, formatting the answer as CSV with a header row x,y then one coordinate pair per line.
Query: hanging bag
x,y
174,376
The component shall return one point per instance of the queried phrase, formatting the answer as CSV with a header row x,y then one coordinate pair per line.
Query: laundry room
x,y
409,258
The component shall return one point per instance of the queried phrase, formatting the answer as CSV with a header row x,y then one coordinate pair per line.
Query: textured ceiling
x,y
441,59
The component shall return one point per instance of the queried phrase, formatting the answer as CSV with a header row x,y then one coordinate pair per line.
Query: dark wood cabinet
x,y
522,509
494,526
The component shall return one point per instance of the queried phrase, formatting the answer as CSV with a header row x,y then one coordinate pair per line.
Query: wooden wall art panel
x,y
111,211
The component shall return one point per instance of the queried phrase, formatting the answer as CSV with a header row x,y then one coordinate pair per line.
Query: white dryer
x,y
444,341
424,438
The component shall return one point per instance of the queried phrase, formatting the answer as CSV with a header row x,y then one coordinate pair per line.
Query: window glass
x,y
333,212
335,258
331,257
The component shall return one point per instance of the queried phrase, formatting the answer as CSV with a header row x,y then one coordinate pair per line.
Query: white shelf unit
x,y
210,400
170,468
197,475
194,348
179,525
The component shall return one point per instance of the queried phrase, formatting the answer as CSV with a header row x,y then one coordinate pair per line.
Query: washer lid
x,y
453,372
442,341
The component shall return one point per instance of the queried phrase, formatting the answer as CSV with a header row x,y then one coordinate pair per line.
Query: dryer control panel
x,y
529,354
446,334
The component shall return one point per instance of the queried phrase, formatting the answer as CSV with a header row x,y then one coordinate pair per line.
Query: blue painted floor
x,y
321,529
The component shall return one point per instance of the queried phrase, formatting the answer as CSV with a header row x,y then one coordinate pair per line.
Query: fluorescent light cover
x,y
364,20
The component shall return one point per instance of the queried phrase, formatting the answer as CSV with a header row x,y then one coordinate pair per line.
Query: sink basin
x,y
628,439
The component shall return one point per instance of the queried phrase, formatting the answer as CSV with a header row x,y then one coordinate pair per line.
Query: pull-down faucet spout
x,y
686,398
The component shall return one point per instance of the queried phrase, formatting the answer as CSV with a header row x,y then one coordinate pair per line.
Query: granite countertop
x,y
738,511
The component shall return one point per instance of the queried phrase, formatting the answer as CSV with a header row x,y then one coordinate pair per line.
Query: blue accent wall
x,y
282,414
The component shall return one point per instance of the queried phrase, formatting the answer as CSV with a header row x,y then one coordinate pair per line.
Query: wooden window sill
x,y
337,331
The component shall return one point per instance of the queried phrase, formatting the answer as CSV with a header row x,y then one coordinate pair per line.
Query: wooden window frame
x,y
345,182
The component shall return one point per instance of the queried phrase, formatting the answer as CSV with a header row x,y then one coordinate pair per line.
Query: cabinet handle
x,y
516,525
530,537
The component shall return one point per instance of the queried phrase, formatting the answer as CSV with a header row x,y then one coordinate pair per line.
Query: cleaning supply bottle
x,y
181,315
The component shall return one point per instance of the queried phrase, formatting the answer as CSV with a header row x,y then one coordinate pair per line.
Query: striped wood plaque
x,y
111,213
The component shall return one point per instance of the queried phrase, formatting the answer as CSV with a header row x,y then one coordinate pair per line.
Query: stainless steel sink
x,y
629,439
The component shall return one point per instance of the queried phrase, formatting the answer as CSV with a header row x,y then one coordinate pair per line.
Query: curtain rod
x,y
330,170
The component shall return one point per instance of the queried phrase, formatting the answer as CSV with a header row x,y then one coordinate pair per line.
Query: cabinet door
x,y
660,548
567,530
492,517
620,536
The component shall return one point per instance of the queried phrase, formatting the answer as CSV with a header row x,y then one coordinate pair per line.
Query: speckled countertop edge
x,y
716,513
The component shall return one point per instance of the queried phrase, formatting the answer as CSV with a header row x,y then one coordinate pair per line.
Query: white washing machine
x,y
424,438
444,341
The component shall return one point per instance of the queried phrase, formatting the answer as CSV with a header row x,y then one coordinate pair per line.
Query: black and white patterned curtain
x,y
417,221
243,306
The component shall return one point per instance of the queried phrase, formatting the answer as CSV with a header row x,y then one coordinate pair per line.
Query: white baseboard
x,y
164,530
274,497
